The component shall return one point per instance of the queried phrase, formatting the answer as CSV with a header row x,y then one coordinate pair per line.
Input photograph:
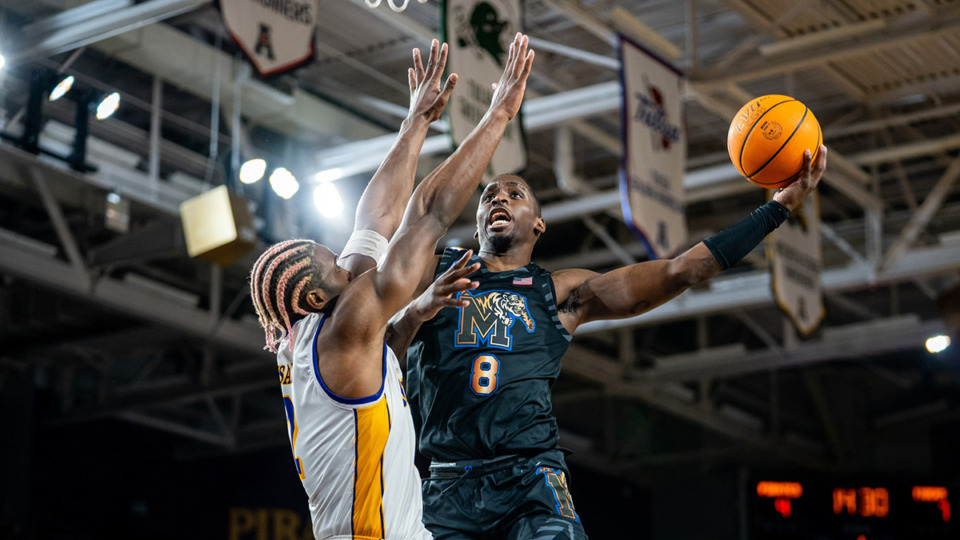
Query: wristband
x,y
733,243
365,242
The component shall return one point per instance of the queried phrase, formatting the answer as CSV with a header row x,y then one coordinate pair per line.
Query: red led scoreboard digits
x,y
786,510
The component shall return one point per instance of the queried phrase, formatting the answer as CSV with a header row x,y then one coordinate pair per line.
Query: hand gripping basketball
x,y
810,175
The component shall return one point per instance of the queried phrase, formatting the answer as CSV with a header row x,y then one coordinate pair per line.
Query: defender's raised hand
x,y
792,195
513,83
427,98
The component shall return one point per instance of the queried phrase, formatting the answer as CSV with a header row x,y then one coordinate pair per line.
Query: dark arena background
x,y
136,400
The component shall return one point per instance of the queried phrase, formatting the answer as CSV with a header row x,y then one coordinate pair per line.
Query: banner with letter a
x,y
796,262
276,35
654,150
479,34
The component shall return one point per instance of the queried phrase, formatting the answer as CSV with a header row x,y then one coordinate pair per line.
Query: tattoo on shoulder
x,y
572,302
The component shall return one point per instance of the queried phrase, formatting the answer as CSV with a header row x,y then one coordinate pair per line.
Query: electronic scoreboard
x,y
787,509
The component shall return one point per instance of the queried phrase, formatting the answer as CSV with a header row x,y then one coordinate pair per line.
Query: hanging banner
x,y
276,35
478,34
796,263
655,150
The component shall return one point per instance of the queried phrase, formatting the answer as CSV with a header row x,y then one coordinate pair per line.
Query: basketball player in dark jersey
x,y
479,372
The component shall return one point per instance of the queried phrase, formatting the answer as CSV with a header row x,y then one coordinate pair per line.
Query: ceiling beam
x,y
907,151
539,114
897,33
181,60
97,21
922,218
243,380
129,299
888,121
775,28
851,342
589,365
176,428
819,397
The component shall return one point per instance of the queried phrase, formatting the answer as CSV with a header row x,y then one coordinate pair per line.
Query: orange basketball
x,y
767,138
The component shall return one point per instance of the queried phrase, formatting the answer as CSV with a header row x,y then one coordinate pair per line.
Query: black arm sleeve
x,y
733,243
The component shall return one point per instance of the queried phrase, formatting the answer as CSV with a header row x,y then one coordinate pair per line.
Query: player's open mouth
x,y
498,218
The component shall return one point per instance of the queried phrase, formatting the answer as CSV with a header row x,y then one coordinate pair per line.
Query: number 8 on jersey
x,y
484,375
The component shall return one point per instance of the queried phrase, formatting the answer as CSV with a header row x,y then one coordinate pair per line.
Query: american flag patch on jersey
x,y
523,280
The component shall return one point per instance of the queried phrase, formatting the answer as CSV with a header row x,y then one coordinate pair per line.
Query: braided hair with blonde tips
x,y
283,264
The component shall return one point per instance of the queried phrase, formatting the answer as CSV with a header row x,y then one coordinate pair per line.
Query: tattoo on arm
x,y
711,267
572,302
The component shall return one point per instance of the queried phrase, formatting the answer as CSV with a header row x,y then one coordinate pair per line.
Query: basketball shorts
x,y
512,497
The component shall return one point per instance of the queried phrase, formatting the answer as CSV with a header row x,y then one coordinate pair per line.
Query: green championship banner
x,y
479,33
796,262
654,150
276,35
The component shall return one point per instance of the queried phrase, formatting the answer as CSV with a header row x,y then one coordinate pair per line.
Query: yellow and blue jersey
x,y
354,456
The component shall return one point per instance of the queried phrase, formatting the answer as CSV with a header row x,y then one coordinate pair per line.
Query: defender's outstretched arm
x,y
435,204
441,197
384,199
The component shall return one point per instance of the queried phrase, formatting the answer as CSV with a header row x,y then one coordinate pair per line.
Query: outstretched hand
x,y
440,293
792,195
427,98
508,94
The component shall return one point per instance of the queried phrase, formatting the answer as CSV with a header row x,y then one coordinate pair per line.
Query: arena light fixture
x,y
62,88
937,344
326,197
108,105
283,182
252,171
3,61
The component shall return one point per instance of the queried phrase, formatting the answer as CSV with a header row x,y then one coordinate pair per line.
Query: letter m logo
x,y
489,318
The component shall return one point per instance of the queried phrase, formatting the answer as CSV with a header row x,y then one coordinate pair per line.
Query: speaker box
x,y
217,226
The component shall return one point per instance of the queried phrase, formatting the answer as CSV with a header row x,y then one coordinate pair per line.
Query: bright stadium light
x,y
2,61
938,344
328,175
327,199
284,183
252,171
61,88
108,106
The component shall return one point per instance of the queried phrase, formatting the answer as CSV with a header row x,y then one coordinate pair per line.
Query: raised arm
x,y
435,204
585,296
383,201
442,195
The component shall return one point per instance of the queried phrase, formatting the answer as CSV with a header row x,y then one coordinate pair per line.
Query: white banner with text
x,y
655,150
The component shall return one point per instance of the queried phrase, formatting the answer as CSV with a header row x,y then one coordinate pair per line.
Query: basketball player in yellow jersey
x,y
350,426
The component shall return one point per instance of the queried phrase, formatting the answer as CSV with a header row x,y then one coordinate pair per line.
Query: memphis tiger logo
x,y
490,317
